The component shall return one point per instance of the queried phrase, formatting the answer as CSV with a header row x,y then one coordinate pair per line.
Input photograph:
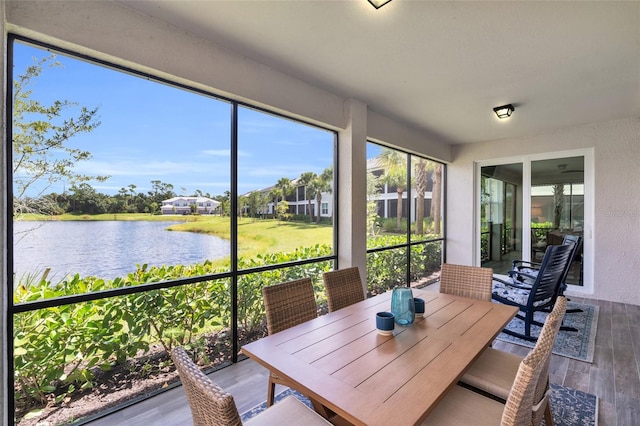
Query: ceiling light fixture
x,y
504,111
378,3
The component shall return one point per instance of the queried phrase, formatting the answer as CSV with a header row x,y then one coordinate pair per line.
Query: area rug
x,y
569,407
572,344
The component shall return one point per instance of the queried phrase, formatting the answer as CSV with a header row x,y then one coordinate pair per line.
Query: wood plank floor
x,y
614,377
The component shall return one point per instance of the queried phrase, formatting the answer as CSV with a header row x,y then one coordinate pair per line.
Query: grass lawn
x,y
257,236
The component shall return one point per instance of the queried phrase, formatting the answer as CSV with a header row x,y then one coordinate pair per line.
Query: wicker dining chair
x,y
286,305
524,405
473,282
343,287
494,371
212,406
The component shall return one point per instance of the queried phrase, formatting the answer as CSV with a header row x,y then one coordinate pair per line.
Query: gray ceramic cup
x,y
385,323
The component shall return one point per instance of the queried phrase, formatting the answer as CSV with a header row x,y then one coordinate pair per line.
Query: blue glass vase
x,y
402,305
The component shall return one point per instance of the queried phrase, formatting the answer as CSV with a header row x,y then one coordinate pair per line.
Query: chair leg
x,y
567,328
520,336
548,418
271,392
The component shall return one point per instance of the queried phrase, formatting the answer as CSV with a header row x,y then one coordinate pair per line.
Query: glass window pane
x,y
285,174
501,210
557,207
114,348
402,211
386,196
97,198
426,181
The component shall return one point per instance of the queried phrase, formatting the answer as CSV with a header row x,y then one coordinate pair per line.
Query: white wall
x,y
616,227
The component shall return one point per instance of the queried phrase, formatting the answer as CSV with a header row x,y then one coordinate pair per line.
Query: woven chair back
x,y
531,382
210,405
343,287
289,304
473,282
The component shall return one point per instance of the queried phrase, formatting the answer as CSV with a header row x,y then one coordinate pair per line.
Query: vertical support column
x,y
352,188
4,336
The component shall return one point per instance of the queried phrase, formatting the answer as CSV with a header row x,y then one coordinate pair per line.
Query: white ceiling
x,y
441,66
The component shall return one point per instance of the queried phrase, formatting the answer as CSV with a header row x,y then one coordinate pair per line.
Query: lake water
x,y
107,249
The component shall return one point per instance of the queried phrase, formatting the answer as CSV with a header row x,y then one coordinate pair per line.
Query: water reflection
x,y
107,249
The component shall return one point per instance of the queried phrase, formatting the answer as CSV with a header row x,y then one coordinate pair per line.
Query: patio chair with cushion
x,y
286,305
494,371
343,287
524,404
531,268
212,406
467,281
533,293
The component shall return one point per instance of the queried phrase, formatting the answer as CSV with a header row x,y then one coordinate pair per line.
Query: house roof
x,y
193,199
441,66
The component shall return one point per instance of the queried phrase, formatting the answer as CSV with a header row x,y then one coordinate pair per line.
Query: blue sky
x,y
151,131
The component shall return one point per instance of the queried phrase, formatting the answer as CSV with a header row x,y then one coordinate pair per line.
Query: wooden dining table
x,y
340,361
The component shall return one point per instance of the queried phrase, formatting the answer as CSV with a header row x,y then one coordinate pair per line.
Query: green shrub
x,y
57,349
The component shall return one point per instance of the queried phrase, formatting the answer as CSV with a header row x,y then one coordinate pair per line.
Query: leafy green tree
x,y
225,203
84,199
42,155
283,211
160,191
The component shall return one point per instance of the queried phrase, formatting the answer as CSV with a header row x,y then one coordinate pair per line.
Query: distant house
x,y
386,199
182,205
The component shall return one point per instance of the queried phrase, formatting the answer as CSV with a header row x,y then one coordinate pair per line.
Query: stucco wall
x,y
616,226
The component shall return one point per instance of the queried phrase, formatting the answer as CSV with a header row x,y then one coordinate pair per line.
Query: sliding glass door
x,y
528,204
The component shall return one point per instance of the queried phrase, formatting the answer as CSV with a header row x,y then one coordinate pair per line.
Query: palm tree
x,y
395,174
323,183
308,180
558,201
274,194
421,188
285,186
436,197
